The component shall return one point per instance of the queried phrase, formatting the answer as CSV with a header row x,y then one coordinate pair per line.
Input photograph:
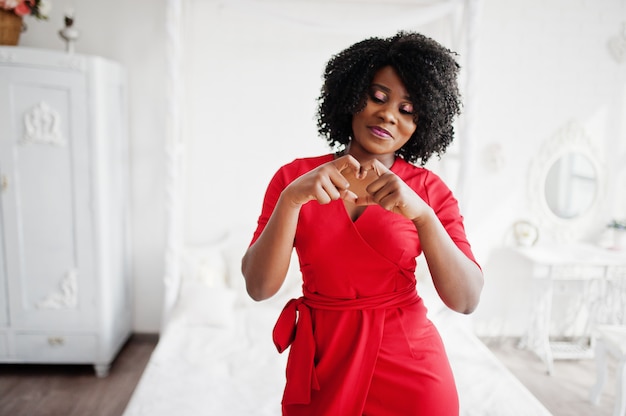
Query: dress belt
x,y
295,327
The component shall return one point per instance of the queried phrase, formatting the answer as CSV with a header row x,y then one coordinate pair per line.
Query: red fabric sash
x,y
294,327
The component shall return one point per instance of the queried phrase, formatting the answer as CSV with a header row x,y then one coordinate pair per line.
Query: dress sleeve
x,y
276,186
283,177
446,207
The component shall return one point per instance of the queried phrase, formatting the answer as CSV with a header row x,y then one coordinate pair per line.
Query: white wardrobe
x,y
65,289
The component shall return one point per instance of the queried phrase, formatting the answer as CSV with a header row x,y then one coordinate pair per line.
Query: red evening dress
x,y
361,343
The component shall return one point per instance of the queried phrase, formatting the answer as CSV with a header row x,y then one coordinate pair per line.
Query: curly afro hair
x,y
427,69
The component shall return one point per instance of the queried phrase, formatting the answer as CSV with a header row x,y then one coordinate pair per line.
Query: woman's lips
x,y
380,132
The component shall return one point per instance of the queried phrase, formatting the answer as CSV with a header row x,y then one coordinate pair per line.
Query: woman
x,y
361,343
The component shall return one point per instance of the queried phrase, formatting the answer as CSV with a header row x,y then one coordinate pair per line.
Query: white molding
x,y
329,16
67,297
6,56
174,158
73,62
42,125
465,135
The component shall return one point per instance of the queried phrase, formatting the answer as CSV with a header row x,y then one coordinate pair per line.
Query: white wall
x,y
542,64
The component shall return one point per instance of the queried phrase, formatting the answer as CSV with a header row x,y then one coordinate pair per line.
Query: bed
x,y
215,355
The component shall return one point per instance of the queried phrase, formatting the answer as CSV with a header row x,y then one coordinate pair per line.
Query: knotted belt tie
x,y
294,327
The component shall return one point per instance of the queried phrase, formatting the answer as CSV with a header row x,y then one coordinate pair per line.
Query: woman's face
x,y
387,121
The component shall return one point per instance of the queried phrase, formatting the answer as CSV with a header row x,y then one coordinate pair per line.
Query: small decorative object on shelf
x,y
12,14
526,234
69,33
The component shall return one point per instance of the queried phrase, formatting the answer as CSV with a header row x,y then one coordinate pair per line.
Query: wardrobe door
x,y
46,207
4,306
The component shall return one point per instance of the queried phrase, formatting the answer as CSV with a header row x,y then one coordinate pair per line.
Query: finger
x,y
365,200
377,185
387,181
376,165
379,190
391,201
349,196
331,190
338,180
346,162
321,196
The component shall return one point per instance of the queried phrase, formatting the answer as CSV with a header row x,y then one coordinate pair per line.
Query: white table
x,y
598,272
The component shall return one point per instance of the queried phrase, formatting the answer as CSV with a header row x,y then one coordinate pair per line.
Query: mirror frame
x,y
570,138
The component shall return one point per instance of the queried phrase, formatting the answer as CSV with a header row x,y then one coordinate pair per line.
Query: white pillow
x,y
200,304
234,247
205,264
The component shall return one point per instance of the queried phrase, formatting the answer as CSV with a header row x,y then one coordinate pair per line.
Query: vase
x,y
10,28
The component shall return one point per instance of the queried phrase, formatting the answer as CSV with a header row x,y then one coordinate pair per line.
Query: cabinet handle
x,y
56,341
5,183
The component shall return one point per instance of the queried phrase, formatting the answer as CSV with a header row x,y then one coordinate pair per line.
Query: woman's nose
x,y
387,114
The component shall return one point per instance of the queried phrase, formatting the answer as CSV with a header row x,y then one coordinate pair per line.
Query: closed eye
x,y
378,96
407,108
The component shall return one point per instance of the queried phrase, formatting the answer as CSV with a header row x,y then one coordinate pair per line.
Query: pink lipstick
x,y
380,132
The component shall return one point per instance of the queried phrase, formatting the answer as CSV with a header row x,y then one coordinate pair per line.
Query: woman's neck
x,y
386,159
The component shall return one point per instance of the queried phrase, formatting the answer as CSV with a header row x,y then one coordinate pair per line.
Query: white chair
x,y
610,339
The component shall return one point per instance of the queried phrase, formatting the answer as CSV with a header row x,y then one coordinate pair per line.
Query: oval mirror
x,y
566,186
571,185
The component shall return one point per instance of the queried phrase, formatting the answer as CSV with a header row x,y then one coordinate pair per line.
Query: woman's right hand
x,y
324,183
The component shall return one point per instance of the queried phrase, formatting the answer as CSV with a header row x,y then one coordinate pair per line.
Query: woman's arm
x,y
265,263
458,280
456,277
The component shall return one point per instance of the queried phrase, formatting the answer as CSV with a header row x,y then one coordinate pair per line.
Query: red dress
x,y
361,343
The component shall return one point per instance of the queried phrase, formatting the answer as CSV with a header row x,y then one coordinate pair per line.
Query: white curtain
x,y
244,79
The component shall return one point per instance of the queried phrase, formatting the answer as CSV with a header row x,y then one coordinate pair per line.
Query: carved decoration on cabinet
x,y
43,126
6,56
66,298
74,63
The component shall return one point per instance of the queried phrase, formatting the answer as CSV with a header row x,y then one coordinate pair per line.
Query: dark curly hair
x,y
429,73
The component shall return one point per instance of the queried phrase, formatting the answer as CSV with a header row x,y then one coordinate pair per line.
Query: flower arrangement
x,y
39,9
618,224
618,229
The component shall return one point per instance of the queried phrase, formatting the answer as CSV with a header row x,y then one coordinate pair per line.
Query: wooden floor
x,y
566,391
43,390
74,390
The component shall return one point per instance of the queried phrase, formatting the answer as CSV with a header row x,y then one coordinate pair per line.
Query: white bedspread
x,y
216,357
236,371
